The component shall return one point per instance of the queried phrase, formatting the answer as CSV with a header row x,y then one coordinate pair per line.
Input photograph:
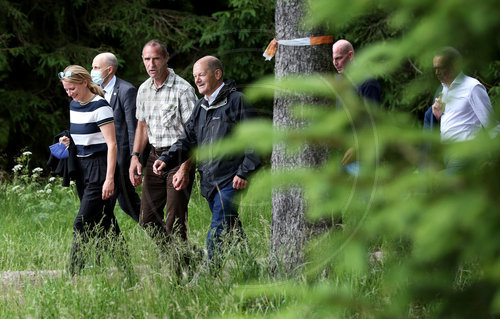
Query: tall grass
x,y
36,221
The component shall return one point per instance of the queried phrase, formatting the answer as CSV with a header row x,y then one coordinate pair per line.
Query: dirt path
x,y
14,281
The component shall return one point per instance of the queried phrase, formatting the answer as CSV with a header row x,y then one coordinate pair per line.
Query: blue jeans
x,y
224,218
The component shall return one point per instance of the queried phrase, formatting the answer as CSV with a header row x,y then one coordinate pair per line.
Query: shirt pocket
x,y
169,115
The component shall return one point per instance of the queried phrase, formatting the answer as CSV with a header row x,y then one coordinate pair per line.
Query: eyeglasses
x,y
64,74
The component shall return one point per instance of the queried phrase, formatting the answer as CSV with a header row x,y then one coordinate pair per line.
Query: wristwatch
x,y
135,154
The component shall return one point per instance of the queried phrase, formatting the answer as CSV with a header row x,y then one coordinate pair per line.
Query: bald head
x,y
342,54
107,59
211,62
107,64
343,46
207,73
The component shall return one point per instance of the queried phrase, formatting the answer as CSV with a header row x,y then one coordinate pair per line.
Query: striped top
x,y
85,121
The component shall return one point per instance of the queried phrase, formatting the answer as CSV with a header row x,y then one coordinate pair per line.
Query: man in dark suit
x,y
121,95
369,91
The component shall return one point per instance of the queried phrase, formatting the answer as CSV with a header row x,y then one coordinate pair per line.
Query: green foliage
x,y
29,202
40,38
416,241
36,230
242,34
396,41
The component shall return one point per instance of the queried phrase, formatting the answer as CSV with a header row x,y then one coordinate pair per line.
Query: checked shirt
x,y
165,109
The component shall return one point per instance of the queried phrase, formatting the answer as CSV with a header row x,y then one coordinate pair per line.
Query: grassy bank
x,y
36,233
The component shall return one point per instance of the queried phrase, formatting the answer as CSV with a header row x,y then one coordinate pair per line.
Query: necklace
x,y
85,103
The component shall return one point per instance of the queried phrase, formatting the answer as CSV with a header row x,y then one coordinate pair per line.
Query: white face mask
x,y
96,76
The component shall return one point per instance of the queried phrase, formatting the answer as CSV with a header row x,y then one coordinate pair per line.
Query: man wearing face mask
x,y
121,96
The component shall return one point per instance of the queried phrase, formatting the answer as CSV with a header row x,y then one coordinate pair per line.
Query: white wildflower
x,y
27,153
37,170
17,168
52,179
41,191
15,188
48,191
72,183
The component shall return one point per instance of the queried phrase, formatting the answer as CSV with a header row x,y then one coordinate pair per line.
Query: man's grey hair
x,y
451,58
213,64
157,43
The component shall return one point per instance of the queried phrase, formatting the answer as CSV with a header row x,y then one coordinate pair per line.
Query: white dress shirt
x,y
212,97
467,109
108,90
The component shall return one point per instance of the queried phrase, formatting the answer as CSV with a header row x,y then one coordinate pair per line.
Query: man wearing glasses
x,y
463,108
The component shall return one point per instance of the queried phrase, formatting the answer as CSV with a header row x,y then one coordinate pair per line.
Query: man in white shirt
x,y
121,96
463,107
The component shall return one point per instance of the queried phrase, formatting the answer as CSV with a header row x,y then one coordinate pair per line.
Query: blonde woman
x,y
93,133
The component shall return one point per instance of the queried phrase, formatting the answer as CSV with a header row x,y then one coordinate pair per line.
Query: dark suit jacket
x,y
430,121
123,104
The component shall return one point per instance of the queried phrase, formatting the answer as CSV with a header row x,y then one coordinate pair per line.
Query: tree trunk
x,y
289,229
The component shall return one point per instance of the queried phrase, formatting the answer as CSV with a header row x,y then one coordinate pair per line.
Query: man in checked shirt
x,y
164,103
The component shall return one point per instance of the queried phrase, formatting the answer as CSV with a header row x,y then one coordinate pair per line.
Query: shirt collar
x,y
108,89
212,97
111,84
169,81
457,81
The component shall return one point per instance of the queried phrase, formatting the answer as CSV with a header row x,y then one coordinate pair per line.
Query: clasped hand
x,y
180,179
64,140
158,166
438,108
